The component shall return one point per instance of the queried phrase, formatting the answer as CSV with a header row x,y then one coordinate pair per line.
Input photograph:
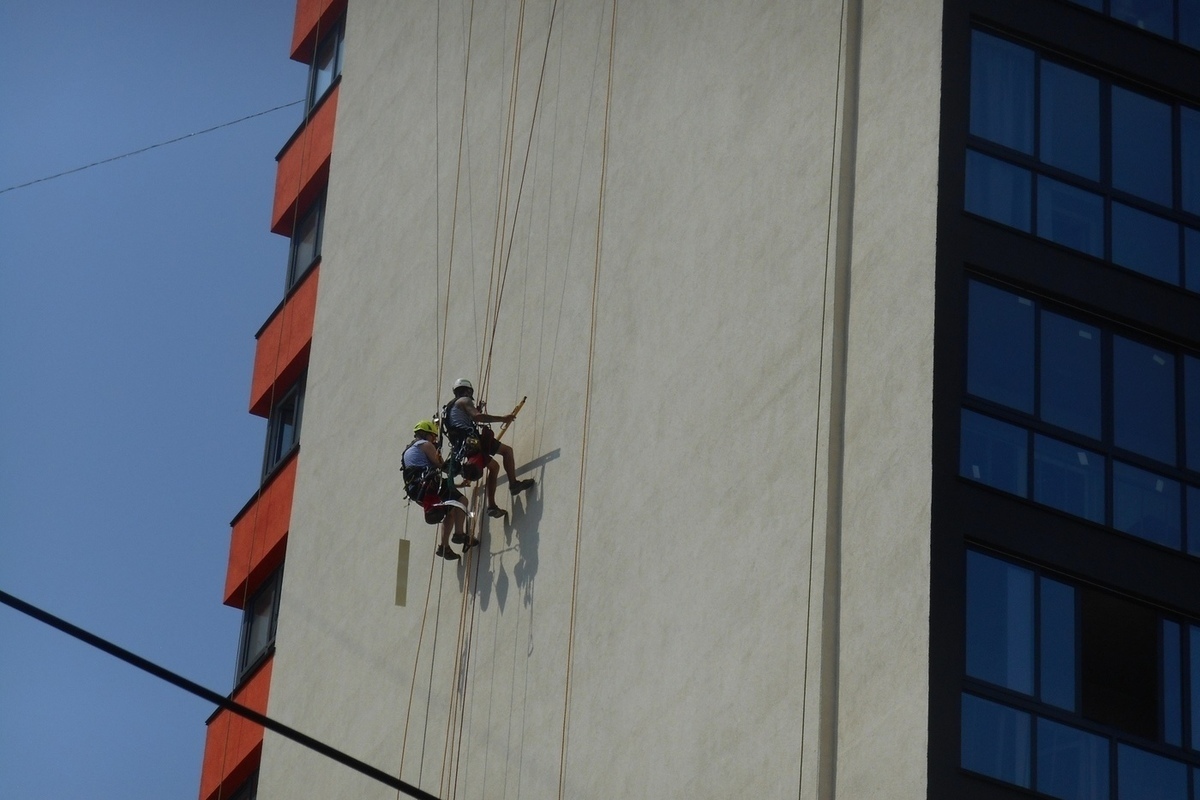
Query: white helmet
x,y
463,383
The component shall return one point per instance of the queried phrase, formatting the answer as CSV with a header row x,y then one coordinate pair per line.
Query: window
x,y
1063,681
306,242
1084,162
248,790
1081,418
283,427
258,625
326,65
1160,17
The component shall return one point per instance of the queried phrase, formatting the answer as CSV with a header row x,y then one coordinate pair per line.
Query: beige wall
x,y
715,391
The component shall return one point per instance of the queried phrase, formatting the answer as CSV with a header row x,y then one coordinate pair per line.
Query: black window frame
x,y
296,270
1102,187
1105,446
1106,10
335,38
289,408
247,661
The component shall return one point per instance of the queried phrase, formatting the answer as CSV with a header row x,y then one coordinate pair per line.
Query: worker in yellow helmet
x,y
425,485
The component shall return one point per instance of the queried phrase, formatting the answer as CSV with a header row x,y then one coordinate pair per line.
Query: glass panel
x,y
1070,216
1070,392
1068,478
1056,642
995,740
1189,167
1145,243
1000,346
1193,521
1194,660
998,190
1141,145
1144,399
1191,258
1172,681
325,66
1146,776
1191,409
1155,16
1094,5
1146,505
1189,26
1070,120
259,623
1071,763
999,623
994,453
1001,92
305,244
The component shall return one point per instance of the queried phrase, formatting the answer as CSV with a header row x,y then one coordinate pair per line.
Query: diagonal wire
x,y
147,148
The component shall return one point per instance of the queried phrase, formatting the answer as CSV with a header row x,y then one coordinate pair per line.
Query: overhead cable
x,y
212,697
149,147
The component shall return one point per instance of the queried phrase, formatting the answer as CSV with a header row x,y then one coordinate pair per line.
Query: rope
x,y
587,406
812,534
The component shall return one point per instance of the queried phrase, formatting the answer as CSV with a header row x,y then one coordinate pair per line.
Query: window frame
x,y
275,452
295,269
247,661
336,39
1028,172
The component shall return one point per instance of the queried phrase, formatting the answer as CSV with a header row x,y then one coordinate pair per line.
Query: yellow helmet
x,y
426,426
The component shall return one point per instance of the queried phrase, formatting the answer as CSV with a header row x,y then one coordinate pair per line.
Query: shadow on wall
x,y
521,531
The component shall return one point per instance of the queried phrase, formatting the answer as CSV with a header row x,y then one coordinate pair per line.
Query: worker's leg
x,y
493,470
510,466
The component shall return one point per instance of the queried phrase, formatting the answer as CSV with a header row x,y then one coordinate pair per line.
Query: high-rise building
x,y
860,349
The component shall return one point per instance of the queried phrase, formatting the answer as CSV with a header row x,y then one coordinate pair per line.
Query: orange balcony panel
x,y
233,746
259,536
313,18
283,344
303,168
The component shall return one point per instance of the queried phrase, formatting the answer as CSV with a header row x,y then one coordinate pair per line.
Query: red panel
x,y
259,536
233,746
303,169
283,344
313,19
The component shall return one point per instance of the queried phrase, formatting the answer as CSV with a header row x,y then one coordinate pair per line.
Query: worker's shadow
x,y
516,536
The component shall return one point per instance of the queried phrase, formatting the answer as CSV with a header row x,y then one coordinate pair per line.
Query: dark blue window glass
x,y
1070,216
999,191
1193,521
1191,409
1189,22
1001,92
1172,683
1194,681
1071,764
1155,16
1141,146
995,740
999,623
995,453
1070,372
1070,120
1144,399
1068,478
1000,346
1056,644
1189,165
1191,259
1145,243
1094,5
1146,776
1146,505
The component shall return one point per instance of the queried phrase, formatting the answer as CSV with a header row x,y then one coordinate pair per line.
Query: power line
x,y
150,147
212,697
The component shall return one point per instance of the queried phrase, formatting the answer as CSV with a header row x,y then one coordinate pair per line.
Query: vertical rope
x,y
835,150
587,407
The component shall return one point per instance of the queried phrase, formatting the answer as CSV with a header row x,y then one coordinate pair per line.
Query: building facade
x,y
861,362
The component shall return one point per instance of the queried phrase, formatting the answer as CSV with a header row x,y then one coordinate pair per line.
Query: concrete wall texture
x,y
719,587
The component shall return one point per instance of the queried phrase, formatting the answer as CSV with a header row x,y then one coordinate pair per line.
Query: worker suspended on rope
x,y
424,484
473,444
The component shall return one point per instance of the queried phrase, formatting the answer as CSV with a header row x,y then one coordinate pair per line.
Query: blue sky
x,y
129,298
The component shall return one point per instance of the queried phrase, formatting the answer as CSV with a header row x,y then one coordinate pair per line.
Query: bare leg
x,y
492,469
510,466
